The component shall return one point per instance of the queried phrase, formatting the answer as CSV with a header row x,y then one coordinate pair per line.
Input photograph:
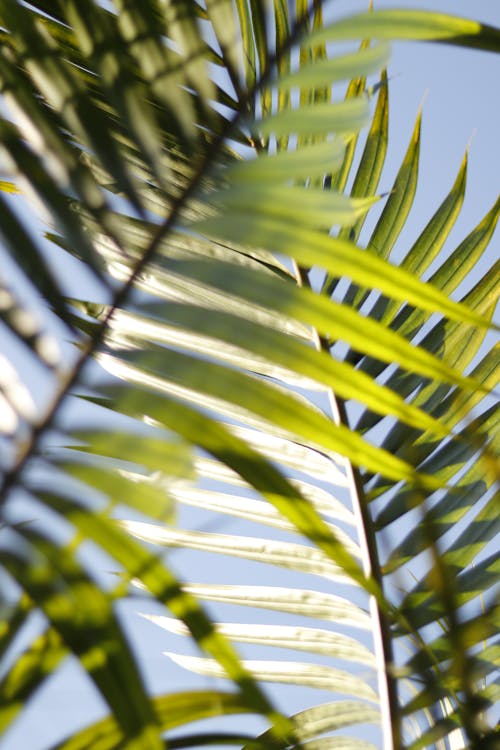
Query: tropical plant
x,y
228,335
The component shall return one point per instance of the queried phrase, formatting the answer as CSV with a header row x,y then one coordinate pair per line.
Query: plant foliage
x,y
227,334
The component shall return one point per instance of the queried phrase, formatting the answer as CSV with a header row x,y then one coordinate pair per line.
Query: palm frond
x,y
192,160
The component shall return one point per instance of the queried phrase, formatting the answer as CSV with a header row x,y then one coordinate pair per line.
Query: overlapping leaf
x,y
132,128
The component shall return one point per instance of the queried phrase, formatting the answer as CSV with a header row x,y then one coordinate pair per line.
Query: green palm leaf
x,y
191,162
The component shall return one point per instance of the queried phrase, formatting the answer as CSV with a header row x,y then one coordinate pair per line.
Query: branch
x,y
382,638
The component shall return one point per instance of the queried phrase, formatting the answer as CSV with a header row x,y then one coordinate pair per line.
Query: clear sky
x,y
462,100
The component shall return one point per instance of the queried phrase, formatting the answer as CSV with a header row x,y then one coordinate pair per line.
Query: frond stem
x,y
163,229
389,703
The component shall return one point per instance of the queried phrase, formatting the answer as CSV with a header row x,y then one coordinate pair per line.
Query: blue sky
x,y
461,102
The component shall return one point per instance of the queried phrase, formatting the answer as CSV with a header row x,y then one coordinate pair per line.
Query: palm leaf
x,y
219,361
